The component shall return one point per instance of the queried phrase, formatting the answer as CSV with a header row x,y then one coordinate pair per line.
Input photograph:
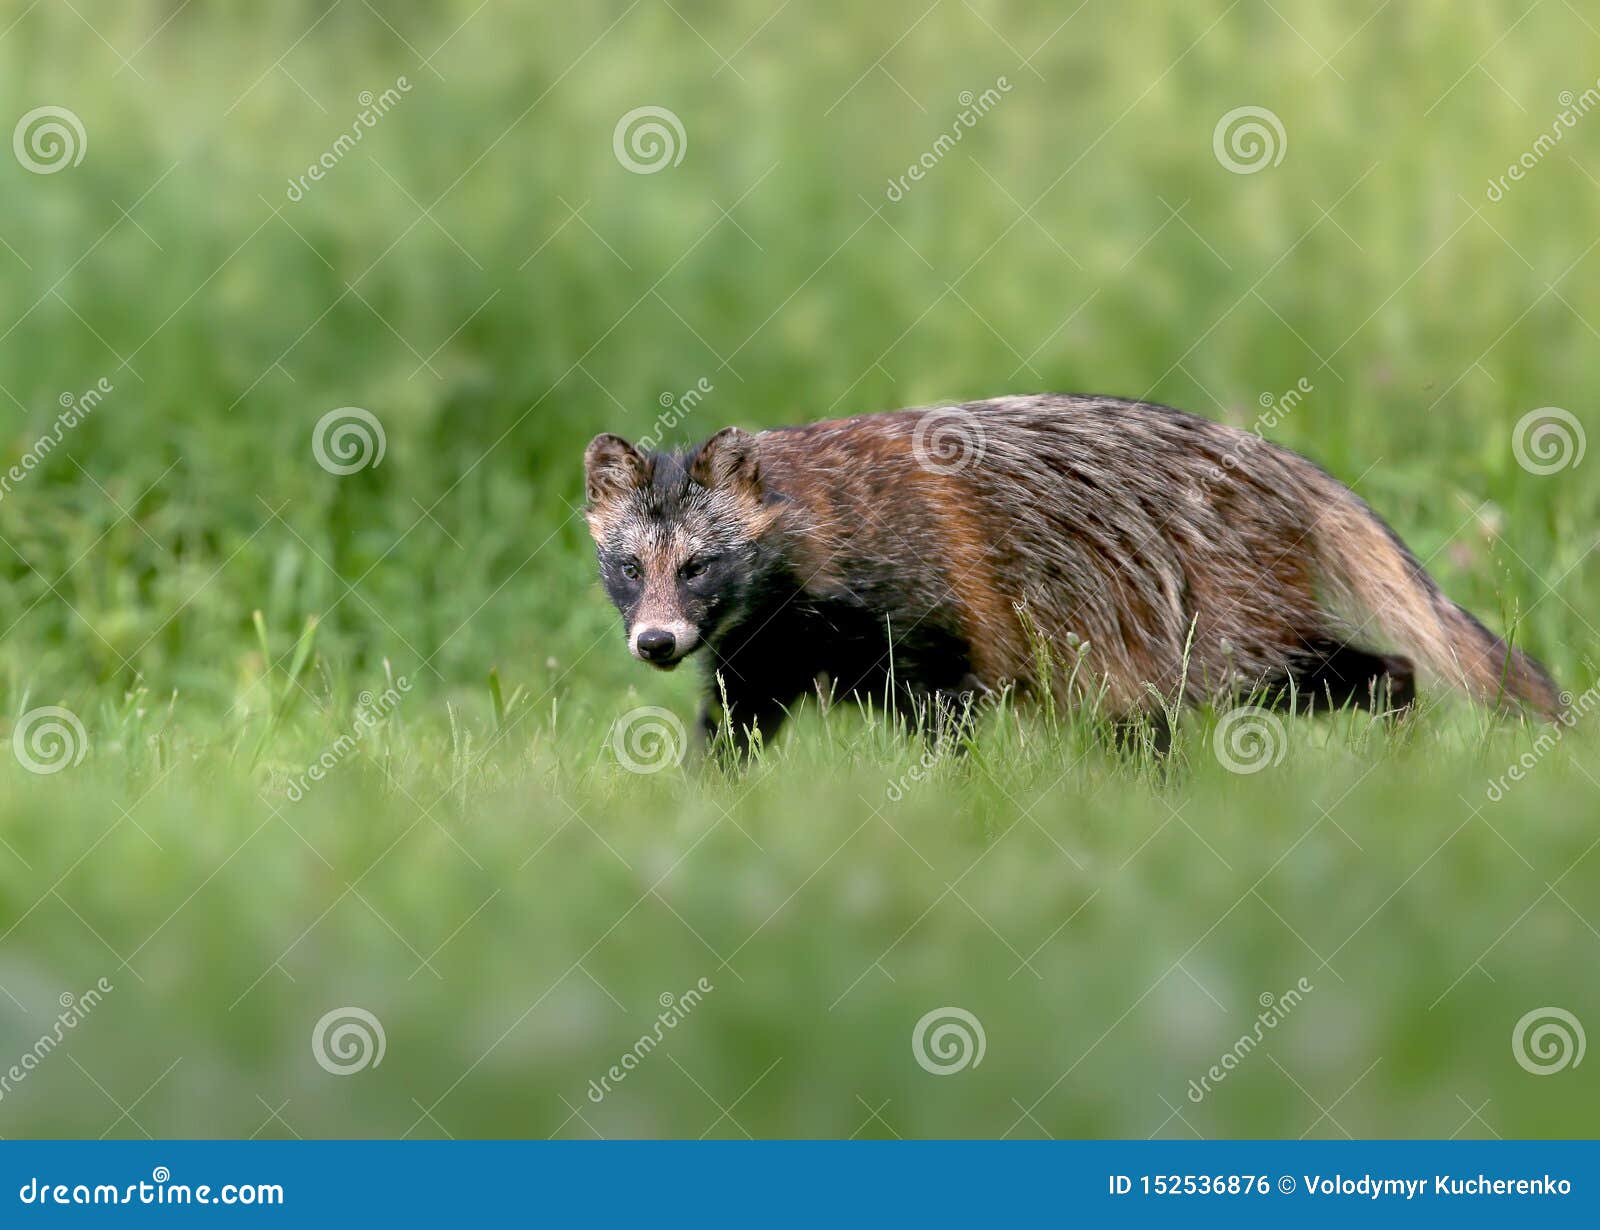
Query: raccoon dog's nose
x,y
656,644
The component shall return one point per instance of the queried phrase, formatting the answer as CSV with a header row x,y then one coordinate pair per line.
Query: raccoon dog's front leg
x,y
732,712
945,715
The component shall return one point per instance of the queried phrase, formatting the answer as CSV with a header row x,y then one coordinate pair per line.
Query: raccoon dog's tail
x,y
1377,590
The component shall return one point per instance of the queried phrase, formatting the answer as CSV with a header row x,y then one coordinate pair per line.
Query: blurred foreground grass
x,y
1113,935
483,276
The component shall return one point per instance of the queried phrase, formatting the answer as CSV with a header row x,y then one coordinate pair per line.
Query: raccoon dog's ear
x,y
728,460
612,467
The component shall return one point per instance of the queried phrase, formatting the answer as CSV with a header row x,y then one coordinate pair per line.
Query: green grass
x,y
478,869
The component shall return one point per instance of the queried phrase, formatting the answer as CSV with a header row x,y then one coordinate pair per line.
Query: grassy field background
x,y
479,870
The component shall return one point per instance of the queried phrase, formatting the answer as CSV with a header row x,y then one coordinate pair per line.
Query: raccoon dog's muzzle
x,y
663,644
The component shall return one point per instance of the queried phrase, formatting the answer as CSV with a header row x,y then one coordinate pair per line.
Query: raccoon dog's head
x,y
678,536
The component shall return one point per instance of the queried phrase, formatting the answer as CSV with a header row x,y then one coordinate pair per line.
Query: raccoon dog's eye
x,y
630,569
691,569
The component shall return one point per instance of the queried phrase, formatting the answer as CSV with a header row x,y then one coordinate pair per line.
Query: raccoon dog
x,y
919,557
